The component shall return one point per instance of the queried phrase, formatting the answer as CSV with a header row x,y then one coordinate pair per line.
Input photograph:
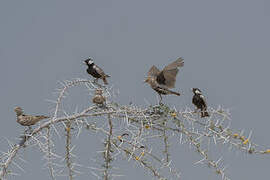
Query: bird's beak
x,y
145,80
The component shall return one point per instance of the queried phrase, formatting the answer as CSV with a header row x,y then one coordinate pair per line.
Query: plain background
x,y
225,44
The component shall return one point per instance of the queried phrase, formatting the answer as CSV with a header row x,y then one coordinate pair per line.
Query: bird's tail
x,y
42,117
105,80
36,119
204,113
173,92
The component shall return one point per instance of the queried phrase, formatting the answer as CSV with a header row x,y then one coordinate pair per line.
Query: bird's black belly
x,y
93,72
198,102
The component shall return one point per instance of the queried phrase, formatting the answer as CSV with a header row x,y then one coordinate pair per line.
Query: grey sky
x,y
225,44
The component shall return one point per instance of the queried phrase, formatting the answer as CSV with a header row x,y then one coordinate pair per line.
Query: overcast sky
x,y
225,44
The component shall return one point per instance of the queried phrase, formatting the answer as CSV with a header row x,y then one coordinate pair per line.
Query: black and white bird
x,y
162,81
95,71
199,101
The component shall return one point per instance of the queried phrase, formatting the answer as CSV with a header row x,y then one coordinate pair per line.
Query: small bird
x,y
27,120
99,99
95,71
162,81
199,101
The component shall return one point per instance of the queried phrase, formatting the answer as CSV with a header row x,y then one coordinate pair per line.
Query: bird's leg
x,y
95,80
103,106
96,83
26,130
160,101
29,129
25,136
23,140
196,111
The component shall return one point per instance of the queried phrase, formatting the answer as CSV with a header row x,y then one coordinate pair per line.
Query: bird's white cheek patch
x,y
90,62
197,92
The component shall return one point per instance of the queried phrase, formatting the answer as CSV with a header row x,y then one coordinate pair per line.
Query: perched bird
x,y
27,120
162,81
199,101
95,71
98,98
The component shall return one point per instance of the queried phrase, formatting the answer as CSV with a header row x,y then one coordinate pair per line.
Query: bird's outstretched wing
x,y
153,71
168,74
177,63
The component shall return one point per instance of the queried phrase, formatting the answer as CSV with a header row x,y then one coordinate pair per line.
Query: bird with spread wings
x,y
163,81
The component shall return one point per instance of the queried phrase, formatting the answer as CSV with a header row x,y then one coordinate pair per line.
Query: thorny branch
x,y
11,155
108,149
68,150
166,145
49,154
141,126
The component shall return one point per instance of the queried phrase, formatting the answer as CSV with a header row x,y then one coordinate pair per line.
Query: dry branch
x,y
140,127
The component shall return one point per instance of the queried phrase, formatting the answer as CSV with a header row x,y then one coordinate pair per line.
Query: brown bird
x,y
27,120
95,70
99,99
162,81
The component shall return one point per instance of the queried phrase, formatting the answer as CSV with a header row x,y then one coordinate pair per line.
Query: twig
x,y
68,150
107,155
